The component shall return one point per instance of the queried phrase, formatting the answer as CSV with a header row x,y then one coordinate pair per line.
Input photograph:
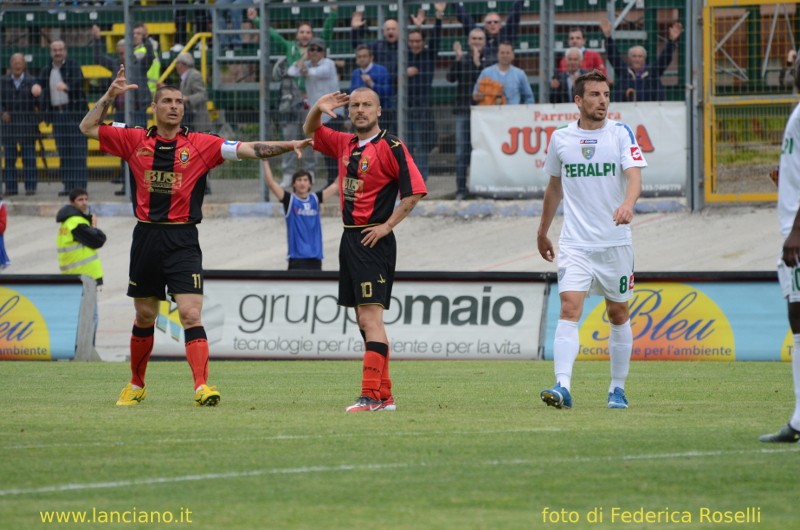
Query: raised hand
x,y
357,20
120,84
330,102
605,26
419,20
675,31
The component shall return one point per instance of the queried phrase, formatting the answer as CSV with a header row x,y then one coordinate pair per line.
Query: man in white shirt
x,y
789,262
595,167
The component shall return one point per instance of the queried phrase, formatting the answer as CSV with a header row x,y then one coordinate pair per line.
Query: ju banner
x,y
509,145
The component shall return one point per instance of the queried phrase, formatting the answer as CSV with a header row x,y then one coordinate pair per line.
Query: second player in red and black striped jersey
x,y
167,176
373,174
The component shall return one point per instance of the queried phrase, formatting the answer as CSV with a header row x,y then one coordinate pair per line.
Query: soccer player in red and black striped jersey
x,y
169,165
374,168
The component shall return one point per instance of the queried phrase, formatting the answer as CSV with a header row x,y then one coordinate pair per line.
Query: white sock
x,y
565,351
795,421
620,347
135,387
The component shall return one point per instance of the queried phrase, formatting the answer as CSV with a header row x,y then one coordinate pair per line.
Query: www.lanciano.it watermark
x,y
134,515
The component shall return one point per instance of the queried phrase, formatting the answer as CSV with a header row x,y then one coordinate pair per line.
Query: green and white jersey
x,y
789,174
590,164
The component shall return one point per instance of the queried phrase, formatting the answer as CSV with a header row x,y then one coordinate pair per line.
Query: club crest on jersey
x,y
587,152
183,156
363,164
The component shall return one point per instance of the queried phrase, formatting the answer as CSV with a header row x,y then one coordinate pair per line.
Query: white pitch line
x,y
360,467
277,437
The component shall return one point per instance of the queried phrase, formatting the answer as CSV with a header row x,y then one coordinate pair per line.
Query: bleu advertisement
x,y
689,321
39,322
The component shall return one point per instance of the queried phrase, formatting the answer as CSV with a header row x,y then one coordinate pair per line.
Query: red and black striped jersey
x,y
168,177
372,175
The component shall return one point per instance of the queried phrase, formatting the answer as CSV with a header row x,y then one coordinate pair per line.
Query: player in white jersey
x,y
789,262
595,166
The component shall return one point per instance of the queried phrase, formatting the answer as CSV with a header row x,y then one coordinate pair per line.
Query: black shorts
x,y
366,275
165,259
305,264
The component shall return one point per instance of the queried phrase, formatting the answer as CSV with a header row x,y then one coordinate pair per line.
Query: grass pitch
x,y
471,446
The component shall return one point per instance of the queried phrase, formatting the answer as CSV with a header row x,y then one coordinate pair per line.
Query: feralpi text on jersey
x,y
593,169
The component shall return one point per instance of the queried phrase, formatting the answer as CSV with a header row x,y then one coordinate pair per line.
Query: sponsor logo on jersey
x,y
144,151
587,152
590,141
162,181
595,169
636,154
351,187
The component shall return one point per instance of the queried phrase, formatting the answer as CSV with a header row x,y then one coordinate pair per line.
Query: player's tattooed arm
x,y
264,150
90,125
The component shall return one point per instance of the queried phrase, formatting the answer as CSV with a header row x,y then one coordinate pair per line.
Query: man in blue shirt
x,y
516,88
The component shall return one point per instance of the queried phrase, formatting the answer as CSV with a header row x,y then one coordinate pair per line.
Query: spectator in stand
x,y
5,261
464,71
420,68
591,59
786,77
636,80
234,15
496,30
516,89
321,77
19,124
294,98
370,74
63,104
384,52
195,95
146,50
562,83
200,24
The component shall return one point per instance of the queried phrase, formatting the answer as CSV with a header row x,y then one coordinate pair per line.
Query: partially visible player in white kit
x,y
789,262
594,165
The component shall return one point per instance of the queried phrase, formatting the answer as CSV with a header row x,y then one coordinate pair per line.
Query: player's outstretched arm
x,y
90,125
264,149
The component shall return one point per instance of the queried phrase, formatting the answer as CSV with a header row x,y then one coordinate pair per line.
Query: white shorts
x,y
604,271
789,278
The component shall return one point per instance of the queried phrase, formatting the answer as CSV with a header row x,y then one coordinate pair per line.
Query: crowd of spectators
x,y
481,68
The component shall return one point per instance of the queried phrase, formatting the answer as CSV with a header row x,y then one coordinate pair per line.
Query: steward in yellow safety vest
x,y
79,238
144,51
